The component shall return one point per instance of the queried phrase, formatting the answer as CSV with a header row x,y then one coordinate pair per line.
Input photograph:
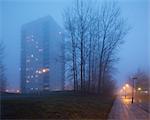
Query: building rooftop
x,y
41,20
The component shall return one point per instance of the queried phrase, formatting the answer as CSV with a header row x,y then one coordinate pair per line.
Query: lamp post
x,y
127,85
133,81
124,88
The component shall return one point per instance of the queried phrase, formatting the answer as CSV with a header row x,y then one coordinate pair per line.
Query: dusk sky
x,y
14,13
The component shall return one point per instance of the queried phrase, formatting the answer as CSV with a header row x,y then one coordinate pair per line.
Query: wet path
x,y
124,110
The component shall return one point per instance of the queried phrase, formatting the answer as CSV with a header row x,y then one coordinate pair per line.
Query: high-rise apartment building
x,y
42,56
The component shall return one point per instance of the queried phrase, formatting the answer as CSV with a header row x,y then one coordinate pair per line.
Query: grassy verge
x,y
57,106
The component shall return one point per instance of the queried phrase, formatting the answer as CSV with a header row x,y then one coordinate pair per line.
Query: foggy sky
x,y
14,13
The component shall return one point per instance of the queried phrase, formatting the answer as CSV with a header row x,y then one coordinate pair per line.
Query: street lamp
x,y
133,81
124,91
127,85
139,89
124,88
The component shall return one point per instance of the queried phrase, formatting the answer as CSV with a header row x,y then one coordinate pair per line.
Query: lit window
x,y
40,72
45,70
32,76
32,55
31,88
27,81
40,50
36,71
59,33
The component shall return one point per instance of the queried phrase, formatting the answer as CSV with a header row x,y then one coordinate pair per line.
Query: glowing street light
x,y
139,89
124,88
127,85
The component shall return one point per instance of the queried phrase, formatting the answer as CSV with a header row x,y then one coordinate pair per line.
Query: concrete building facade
x,y
42,56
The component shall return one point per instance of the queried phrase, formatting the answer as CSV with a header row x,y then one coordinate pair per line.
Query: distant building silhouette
x,y
42,56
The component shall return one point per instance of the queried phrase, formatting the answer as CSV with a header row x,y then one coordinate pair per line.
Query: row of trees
x,y
95,33
2,69
142,80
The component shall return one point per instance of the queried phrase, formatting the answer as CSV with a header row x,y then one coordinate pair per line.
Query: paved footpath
x,y
124,110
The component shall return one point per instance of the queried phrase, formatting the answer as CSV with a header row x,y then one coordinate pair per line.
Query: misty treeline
x,y
2,68
142,80
95,32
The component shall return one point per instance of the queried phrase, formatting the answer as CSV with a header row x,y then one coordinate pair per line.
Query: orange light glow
x,y
127,85
139,89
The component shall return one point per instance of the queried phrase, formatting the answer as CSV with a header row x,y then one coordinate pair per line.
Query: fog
x,y
14,13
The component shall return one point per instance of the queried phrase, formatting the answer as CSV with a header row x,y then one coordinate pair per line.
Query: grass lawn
x,y
57,105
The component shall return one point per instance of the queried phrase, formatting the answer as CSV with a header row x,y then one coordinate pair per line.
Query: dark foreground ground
x,y
55,105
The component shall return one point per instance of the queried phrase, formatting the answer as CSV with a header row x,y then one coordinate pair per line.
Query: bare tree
x,y
96,33
70,27
142,80
113,30
141,84
76,23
